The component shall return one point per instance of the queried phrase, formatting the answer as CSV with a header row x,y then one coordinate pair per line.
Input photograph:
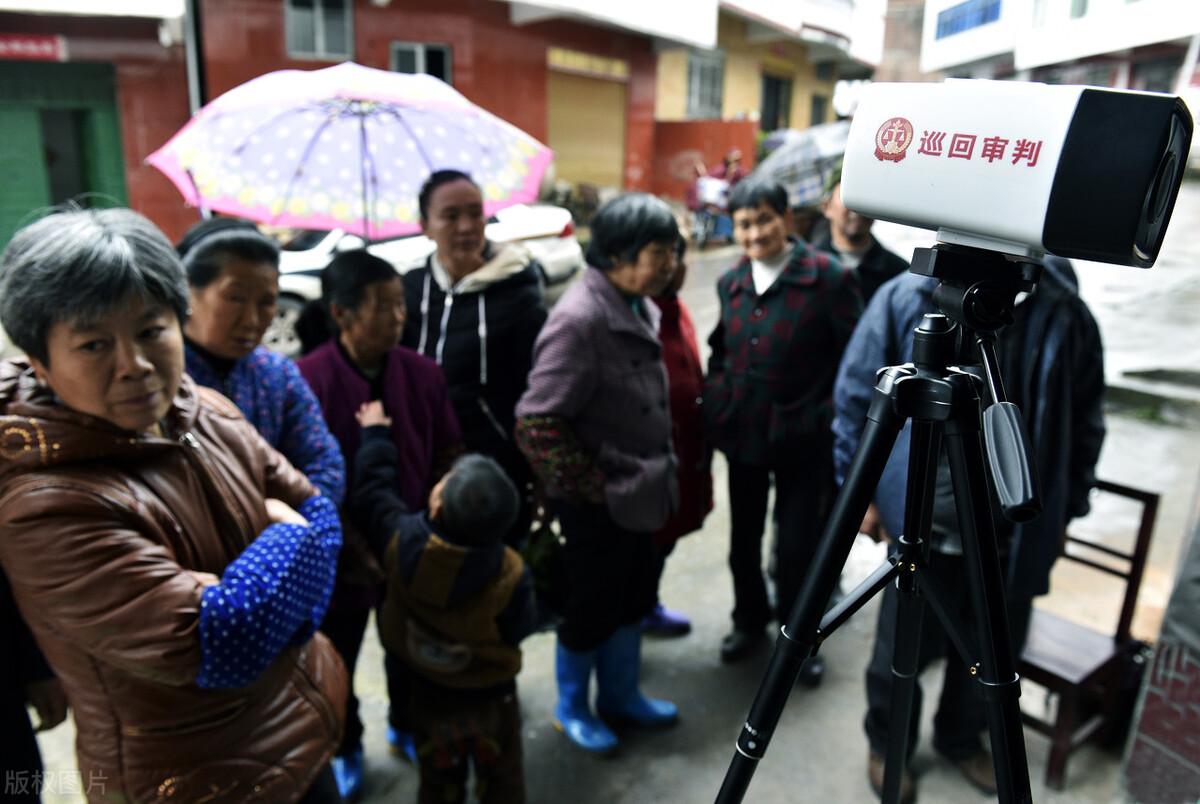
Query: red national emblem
x,y
892,139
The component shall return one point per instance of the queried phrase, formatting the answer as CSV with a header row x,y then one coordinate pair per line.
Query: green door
x,y
23,180
60,139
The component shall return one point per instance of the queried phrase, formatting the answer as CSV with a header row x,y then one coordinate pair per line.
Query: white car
x,y
547,231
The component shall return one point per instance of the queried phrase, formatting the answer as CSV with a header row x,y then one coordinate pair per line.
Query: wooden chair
x,y
1083,667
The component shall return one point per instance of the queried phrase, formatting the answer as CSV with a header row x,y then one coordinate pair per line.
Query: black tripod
x,y
977,293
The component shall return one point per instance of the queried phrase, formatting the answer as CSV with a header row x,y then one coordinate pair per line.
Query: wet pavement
x,y
1149,323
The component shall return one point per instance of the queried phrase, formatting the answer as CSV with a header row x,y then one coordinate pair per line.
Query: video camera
x,y
1021,168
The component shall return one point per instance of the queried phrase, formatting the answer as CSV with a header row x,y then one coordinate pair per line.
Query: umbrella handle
x,y
204,211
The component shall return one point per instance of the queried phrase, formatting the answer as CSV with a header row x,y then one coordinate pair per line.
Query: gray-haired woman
x,y
595,425
149,533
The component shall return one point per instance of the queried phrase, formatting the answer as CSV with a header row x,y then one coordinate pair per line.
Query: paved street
x,y
819,752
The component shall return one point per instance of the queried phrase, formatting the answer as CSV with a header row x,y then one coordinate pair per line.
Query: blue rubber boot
x,y
348,771
572,716
620,701
401,744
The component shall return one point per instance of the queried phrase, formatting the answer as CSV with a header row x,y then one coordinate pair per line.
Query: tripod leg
x,y
800,634
997,667
924,449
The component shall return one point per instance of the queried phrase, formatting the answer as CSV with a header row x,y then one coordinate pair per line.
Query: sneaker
x,y
979,771
348,772
739,644
908,788
662,622
401,744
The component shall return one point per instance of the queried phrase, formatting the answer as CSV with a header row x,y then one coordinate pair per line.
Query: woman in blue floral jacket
x,y
233,278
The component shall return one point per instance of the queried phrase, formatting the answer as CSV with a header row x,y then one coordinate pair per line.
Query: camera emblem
x,y
892,139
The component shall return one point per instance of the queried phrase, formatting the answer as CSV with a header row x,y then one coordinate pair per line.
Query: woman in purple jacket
x,y
364,297
595,424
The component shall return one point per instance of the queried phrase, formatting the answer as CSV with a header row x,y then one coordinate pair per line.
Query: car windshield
x,y
303,240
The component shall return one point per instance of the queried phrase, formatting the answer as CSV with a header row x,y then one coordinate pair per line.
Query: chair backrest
x,y
1126,565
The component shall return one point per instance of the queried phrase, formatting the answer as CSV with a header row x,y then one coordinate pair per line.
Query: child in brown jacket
x,y
458,604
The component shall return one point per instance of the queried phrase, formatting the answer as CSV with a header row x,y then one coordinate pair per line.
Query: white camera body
x,y
1021,168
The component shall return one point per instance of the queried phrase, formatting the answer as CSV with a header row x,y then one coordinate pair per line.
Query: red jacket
x,y
685,378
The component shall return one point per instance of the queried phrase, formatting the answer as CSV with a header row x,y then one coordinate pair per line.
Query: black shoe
x,y
739,644
812,671
908,787
979,771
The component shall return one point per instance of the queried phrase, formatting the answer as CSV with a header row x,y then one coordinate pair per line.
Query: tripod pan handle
x,y
1013,470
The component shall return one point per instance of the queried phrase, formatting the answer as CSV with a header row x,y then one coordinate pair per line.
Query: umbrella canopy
x,y
802,160
345,147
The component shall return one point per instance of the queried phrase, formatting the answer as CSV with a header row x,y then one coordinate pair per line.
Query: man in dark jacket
x,y
787,312
1052,363
458,604
850,240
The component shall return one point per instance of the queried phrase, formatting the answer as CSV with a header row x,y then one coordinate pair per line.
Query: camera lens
x,y
1160,196
1161,189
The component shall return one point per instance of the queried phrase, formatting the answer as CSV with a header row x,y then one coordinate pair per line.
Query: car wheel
x,y
281,335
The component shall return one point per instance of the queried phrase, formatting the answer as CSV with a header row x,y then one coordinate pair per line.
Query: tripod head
x,y
978,292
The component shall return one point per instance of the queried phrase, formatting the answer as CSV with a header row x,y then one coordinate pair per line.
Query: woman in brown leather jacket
x,y
171,565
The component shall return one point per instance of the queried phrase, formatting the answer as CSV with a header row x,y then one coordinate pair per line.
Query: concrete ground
x,y
819,752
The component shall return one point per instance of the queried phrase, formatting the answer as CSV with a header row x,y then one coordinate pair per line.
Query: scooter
x,y
710,219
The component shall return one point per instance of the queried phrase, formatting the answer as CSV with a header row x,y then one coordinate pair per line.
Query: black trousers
x,y
20,762
804,493
345,627
660,564
961,718
323,790
611,576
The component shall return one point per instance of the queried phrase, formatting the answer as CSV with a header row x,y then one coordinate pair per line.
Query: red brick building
x,y
83,101
585,89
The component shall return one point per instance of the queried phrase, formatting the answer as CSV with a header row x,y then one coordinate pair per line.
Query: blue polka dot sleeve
x,y
273,595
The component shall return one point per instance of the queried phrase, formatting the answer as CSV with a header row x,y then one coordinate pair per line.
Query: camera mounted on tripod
x,y
1005,172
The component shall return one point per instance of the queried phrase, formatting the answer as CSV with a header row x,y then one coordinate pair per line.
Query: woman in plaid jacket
x,y
787,312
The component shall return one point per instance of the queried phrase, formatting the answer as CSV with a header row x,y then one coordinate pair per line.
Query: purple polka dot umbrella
x,y
345,147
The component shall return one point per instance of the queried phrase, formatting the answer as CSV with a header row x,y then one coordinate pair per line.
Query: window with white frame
x,y
319,29
706,77
967,15
420,57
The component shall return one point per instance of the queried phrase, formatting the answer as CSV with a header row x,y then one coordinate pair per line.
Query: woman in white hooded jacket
x,y
476,308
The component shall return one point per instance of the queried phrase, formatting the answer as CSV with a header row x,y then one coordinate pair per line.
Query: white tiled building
x,y
1128,44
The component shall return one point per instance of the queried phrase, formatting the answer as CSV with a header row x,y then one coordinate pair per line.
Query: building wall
x,y
1108,26
746,62
680,146
152,109
671,92
1034,35
497,65
976,44
742,92
902,31
151,96
790,60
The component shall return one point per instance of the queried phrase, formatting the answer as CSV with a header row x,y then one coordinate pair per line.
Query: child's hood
x,y
442,574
